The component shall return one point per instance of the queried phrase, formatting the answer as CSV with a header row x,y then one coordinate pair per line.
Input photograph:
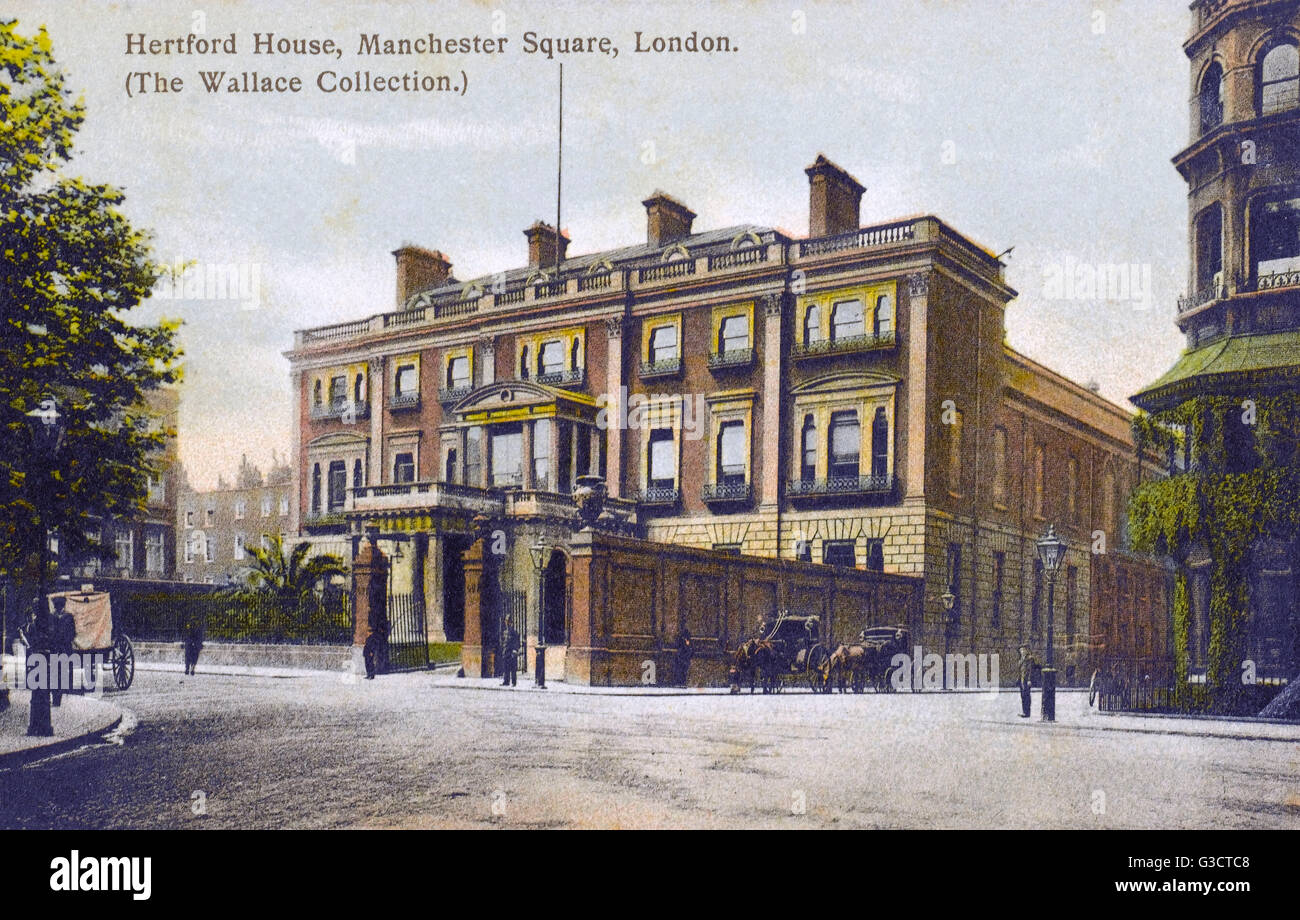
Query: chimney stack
x,y
667,219
833,199
542,243
419,269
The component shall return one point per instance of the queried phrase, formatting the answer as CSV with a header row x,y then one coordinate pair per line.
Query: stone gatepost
x,y
369,602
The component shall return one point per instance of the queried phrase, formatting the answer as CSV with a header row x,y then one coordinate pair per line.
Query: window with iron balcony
x,y
734,346
661,470
406,387
730,481
457,382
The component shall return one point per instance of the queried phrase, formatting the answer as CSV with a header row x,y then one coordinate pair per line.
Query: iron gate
x,y
515,609
408,643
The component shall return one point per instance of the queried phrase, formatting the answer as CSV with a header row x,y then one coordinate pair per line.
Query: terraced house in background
x,y
845,398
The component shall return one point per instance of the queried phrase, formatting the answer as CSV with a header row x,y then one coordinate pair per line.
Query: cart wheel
x,y
123,662
818,660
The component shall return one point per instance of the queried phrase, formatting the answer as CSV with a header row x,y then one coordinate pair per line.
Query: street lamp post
x,y
948,599
1051,550
46,426
538,552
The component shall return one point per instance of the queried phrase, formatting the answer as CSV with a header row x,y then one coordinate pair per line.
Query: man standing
x,y
510,652
683,658
1026,680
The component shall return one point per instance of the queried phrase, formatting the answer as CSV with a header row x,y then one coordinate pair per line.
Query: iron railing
x,y
225,616
846,345
404,401
454,394
340,409
665,368
840,485
659,495
575,377
737,357
1201,297
727,492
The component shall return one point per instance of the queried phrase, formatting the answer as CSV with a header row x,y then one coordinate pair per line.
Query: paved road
x,y
312,752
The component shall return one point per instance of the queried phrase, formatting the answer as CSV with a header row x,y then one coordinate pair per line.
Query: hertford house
x,y
832,421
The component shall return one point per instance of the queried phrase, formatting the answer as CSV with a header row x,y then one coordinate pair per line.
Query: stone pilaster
x,y
614,431
770,483
375,462
487,360
918,293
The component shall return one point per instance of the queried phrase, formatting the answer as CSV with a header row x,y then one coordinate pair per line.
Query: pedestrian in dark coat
x,y
63,635
682,660
510,654
193,640
1026,680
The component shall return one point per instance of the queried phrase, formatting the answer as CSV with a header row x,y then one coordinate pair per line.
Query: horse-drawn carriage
x,y
869,660
788,647
95,641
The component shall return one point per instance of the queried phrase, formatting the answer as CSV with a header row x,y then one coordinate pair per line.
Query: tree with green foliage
x,y
73,269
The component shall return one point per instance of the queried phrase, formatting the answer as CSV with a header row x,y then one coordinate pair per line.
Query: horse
x,y
848,664
752,659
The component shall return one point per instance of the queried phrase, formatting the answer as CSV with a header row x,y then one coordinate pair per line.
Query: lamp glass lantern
x,y
1051,550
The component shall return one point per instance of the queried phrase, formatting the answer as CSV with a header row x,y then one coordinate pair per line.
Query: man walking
x,y
1026,680
510,652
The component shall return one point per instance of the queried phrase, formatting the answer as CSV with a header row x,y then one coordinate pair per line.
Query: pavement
x,y
78,720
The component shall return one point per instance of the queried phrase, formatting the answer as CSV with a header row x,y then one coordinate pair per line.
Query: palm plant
x,y
289,576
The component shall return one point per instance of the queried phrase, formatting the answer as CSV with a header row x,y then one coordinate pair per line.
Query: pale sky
x,y
1044,126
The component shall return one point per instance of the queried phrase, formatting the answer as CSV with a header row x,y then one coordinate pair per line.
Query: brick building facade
x,y
847,398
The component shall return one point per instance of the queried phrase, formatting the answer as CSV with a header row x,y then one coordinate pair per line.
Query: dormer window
x,y
1279,80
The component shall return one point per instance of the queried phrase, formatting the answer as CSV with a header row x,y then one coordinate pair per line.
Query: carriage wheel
x,y
887,682
122,659
817,664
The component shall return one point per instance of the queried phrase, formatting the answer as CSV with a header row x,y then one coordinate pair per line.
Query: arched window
x,y
523,363
449,474
316,394
358,389
880,444
1211,98
1279,80
808,446
315,479
812,325
575,354
1209,247
884,321
357,479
